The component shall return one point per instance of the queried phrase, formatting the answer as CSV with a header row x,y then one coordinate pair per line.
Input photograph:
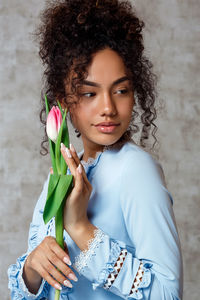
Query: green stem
x,y
59,227
57,158
57,295
59,237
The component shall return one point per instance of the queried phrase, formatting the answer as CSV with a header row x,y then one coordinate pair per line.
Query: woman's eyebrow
x,y
91,83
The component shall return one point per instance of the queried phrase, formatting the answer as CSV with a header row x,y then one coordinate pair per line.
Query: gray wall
x,y
172,42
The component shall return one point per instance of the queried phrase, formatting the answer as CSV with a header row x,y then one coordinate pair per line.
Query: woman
x,y
120,231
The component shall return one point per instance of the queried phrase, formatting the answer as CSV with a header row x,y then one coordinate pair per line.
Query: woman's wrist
x,y
78,227
81,233
31,278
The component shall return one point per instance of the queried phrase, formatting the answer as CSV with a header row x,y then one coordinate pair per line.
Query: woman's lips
x,y
105,128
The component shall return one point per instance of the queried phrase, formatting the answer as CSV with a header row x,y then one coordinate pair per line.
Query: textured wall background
x,y
172,42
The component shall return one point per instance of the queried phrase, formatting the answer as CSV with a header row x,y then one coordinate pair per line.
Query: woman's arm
x,y
38,268
153,270
16,282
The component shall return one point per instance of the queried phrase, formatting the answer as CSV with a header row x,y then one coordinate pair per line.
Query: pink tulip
x,y
54,121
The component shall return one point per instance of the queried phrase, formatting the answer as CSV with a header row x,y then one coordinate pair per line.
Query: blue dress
x,y
132,209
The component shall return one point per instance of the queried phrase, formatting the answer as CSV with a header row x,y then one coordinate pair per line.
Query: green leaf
x,y
51,144
47,104
56,199
64,140
58,142
53,181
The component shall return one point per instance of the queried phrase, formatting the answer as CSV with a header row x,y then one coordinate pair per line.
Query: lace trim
x,y
138,279
117,267
51,227
24,287
17,285
91,160
82,259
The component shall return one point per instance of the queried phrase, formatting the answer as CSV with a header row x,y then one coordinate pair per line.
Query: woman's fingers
x,y
54,277
77,160
47,277
50,261
59,251
57,273
60,259
73,161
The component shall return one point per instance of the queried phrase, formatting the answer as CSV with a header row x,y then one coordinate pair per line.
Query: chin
x,y
108,141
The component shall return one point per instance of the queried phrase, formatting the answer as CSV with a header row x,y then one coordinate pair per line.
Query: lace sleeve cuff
x,y
82,260
108,264
17,285
25,290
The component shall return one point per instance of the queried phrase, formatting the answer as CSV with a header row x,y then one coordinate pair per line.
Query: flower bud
x,y
54,121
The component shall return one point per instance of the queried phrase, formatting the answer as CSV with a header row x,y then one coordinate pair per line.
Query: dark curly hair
x,y
71,31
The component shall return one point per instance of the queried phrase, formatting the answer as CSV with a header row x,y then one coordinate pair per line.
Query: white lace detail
x,y
82,259
138,279
51,227
91,160
117,267
23,285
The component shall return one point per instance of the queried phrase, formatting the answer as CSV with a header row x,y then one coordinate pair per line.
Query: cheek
x,y
126,109
82,114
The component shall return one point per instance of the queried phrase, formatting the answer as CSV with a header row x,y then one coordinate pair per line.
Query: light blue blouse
x,y
132,209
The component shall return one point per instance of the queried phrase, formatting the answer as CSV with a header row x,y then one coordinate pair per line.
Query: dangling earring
x,y
78,133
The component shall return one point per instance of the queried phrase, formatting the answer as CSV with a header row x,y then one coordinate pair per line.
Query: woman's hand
x,y
43,262
75,211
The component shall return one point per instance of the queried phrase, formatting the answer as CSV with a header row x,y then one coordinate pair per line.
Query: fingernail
x,y
80,168
68,153
62,146
58,287
73,277
72,148
67,261
67,283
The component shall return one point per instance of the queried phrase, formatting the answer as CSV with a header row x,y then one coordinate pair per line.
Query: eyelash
x,y
123,90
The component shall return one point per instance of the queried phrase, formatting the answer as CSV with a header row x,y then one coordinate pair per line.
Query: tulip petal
x,y
51,144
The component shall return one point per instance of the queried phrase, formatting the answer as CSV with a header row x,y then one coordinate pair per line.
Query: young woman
x,y
120,231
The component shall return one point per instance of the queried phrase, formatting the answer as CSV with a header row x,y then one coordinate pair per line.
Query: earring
x,y
78,133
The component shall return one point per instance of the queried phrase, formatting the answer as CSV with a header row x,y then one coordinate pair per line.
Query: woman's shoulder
x,y
136,161
131,152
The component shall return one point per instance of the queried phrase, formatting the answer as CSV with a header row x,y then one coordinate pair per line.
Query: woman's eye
x,y
88,95
124,91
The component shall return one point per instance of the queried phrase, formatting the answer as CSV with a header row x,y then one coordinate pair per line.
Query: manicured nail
x,y
67,261
73,277
67,283
68,153
58,287
80,168
62,146
72,148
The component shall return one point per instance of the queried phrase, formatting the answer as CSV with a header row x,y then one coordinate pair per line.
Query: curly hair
x,y
71,31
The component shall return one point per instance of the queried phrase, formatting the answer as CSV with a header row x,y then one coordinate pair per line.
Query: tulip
x,y
60,184
54,121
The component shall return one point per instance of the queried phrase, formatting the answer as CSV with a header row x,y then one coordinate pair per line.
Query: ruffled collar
x,y
92,162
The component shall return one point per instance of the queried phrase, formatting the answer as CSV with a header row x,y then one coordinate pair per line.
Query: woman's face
x,y
106,96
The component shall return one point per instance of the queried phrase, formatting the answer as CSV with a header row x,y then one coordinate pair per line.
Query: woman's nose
x,y
108,106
